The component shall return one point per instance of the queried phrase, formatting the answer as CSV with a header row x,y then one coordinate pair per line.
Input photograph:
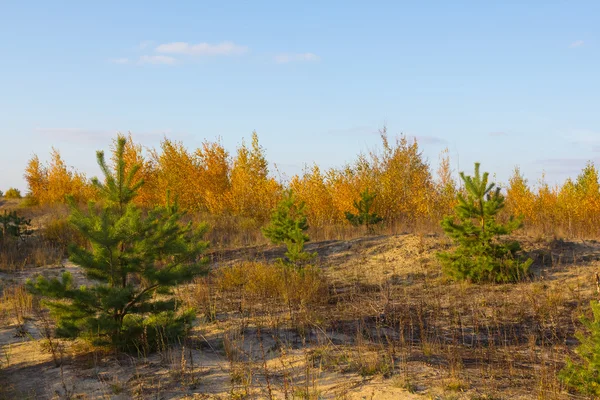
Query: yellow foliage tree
x,y
36,176
445,187
406,189
520,200
214,181
179,172
149,194
313,190
253,194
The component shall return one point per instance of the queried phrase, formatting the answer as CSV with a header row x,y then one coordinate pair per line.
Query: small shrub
x,y
12,193
30,201
61,233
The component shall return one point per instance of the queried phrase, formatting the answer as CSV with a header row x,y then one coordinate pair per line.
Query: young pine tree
x,y
288,224
13,226
135,258
365,216
584,375
480,255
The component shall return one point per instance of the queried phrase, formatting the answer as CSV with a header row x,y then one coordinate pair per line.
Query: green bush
x,y
480,255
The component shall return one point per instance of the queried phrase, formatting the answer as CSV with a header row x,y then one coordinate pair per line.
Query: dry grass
x,y
376,319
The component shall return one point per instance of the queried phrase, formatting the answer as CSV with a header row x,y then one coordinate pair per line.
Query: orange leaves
x,y
406,191
210,180
36,176
445,187
572,209
133,155
252,193
178,171
399,176
53,182
520,199
214,177
312,189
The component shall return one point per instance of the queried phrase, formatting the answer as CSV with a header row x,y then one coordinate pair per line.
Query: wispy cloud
x,y
577,43
202,49
157,59
285,58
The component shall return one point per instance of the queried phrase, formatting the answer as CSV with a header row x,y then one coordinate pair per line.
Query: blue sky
x,y
506,84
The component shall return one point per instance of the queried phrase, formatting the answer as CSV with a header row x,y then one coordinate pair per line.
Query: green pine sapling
x,y
583,375
364,216
480,255
135,259
288,224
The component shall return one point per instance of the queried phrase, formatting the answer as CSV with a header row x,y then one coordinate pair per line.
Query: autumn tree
x,y
214,182
133,154
36,176
445,198
12,193
520,200
313,189
405,185
52,183
135,259
253,193
179,172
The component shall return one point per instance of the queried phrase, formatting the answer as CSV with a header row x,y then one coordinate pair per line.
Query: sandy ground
x,y
202,371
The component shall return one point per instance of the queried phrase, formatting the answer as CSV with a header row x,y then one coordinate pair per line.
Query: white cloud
x,y
577,43
120,61
202,49
157,60
285,58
